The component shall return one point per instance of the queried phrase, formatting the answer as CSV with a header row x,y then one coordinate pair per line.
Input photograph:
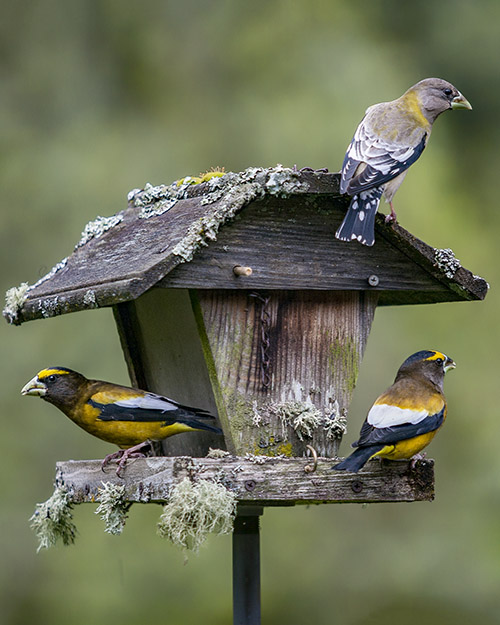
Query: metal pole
x,y
246,566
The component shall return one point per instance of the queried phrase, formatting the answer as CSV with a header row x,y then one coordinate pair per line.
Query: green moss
x,y
344,356
188,180
240,411
212,372
283,449
217,172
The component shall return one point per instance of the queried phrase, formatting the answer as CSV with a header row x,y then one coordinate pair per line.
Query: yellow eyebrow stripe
x,y
437,355
46,372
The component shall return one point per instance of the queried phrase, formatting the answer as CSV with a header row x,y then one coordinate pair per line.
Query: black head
x,y
57,385
429,364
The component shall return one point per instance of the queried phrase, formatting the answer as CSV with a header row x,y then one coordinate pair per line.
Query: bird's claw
x,y
392,218
122,455
321,170
416,458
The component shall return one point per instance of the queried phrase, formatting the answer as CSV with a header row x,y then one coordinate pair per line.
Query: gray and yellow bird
x,y
390,138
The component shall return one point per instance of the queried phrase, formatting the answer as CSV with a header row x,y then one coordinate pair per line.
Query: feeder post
x,y
246,566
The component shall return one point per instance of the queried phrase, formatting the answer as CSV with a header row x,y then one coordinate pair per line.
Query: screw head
x,y
373,280
356,486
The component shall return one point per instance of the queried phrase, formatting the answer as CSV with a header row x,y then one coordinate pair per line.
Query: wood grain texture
x,y
291,244
288,241
316,343
277,482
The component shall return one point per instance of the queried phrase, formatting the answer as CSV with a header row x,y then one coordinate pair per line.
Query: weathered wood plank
x,y
276,482
290,244
316,343
298,218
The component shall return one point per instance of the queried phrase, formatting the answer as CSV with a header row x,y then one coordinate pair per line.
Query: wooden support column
x,y
246,566
275,351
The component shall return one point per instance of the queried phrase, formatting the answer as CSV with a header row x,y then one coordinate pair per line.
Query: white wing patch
x,y
147,402
386,416
379,153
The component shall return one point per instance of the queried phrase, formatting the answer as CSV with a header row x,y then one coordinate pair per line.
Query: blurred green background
x,y
99,97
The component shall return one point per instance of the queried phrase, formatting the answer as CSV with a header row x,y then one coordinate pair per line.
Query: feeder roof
x,y
279,221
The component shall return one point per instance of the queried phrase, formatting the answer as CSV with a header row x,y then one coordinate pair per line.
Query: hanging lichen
x,y
194,510
112,507
53,520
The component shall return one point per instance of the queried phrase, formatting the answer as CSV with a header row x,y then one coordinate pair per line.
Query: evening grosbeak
x,y
128,417
405,418
390,137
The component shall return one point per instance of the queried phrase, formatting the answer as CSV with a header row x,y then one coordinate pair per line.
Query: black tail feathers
x,y
359,221
357,459
199,422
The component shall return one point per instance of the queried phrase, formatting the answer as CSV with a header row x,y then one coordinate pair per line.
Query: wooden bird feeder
x,y
234,296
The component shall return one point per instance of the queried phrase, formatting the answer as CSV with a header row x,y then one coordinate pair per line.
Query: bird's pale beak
x,y
459,102
34,387
449,364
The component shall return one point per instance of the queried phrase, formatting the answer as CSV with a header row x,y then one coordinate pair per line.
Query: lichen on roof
x,y
97,227
447,262
17,295
229,194
14,300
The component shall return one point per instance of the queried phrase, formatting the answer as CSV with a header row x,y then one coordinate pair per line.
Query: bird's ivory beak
x,y
459,102
449,364
34,387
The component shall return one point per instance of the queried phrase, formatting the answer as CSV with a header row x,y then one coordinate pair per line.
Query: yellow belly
x,y
125,433
403,450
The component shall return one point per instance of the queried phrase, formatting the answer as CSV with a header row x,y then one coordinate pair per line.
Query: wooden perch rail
x,y
274,482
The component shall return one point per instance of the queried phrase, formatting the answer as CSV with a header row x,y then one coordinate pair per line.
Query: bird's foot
x,y
122,455
416,458
321,170
392,218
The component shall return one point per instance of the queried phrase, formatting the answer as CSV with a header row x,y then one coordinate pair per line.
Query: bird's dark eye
x,y
51,378
447,92
439,361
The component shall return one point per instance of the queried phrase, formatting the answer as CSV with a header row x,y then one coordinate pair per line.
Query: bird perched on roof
x,y
128,417
405,418
390,138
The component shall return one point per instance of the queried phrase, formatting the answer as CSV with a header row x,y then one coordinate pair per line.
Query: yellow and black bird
x,y
128,417
405,418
